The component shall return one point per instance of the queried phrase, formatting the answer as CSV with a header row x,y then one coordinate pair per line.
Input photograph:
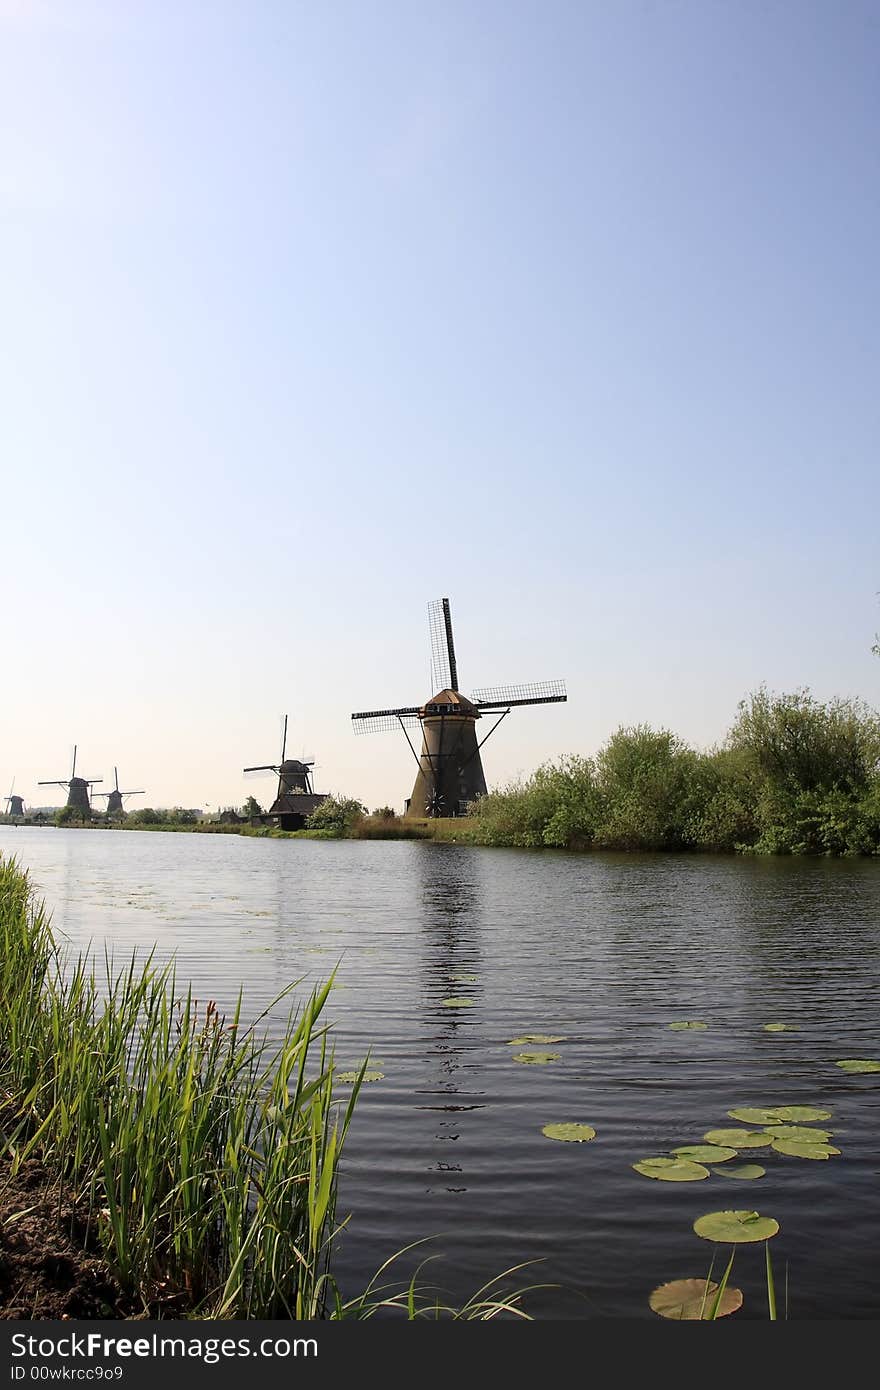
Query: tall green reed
x,y
206,1155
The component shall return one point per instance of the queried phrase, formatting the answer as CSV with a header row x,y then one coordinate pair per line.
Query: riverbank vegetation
x,y
203,1158
159,1159
793,776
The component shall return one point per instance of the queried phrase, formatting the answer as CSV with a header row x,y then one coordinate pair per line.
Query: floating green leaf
x,y
738,1138
535,1038
802,1114
692,1300
747,1171
798,1149
754,1115
536,1059
570,1132
735,1227
456,1003
671,1169
465,979
684,1024
704,1153
349,1077
857,1065
779,1028
799,1134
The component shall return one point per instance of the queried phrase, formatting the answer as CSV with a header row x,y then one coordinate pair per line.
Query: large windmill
x,y
450,771
77,788
14,804
296,797
114,798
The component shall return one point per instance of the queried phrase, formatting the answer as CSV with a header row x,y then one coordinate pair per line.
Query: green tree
x,y
147,815
338,814
251,808
797,743
645,779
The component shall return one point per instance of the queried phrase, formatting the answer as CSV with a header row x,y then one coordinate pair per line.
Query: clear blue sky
x,y
313,312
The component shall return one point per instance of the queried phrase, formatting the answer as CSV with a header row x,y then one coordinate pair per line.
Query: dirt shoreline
x,y
49,1268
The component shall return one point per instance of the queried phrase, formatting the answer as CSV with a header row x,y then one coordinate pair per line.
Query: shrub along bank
x,y
794,776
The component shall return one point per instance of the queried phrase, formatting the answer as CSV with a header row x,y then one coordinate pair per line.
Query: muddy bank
x,y
49,1268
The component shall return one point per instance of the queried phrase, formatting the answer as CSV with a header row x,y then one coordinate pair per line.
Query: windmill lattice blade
x,y
284,739
441,674
534,693
450,645
263,767
380,721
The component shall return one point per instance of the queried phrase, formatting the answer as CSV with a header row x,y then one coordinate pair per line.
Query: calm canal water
x,y
605,950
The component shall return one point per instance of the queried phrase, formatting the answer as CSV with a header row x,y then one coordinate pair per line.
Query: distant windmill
x,y
114,798
78,788
296,797
15,804
450,771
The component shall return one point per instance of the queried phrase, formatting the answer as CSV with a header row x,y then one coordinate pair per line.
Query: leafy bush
x,y
338,814
794,776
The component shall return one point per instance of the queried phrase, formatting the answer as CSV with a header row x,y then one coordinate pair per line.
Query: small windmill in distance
x,y
114,798
15,804
296,797
77,788
450,772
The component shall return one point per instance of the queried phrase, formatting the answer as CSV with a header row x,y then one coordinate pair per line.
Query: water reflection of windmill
x,y
450,928
114,798
14,804
450,771
296,797
77,788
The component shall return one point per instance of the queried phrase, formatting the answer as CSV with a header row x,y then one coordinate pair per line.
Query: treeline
x,y
793,776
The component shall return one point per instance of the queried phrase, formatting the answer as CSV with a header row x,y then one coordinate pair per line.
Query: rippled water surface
x,y
605,950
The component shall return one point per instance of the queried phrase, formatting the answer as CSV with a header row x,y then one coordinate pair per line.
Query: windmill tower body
x,y
450,771
16,805
78,795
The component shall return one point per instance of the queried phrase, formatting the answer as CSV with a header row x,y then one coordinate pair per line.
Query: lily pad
x,y
570,1132
747,1171
704,1153
456,1003
755,1115
535,1038
693,1300
735,1227
536,1059
798,1149
799,1134
738,1138
857,1065
465,979
671,1169
779,1028
683,1024
349,1077
802,1114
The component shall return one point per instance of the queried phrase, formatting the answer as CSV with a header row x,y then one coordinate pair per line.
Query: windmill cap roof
x,y
447,698
293,765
